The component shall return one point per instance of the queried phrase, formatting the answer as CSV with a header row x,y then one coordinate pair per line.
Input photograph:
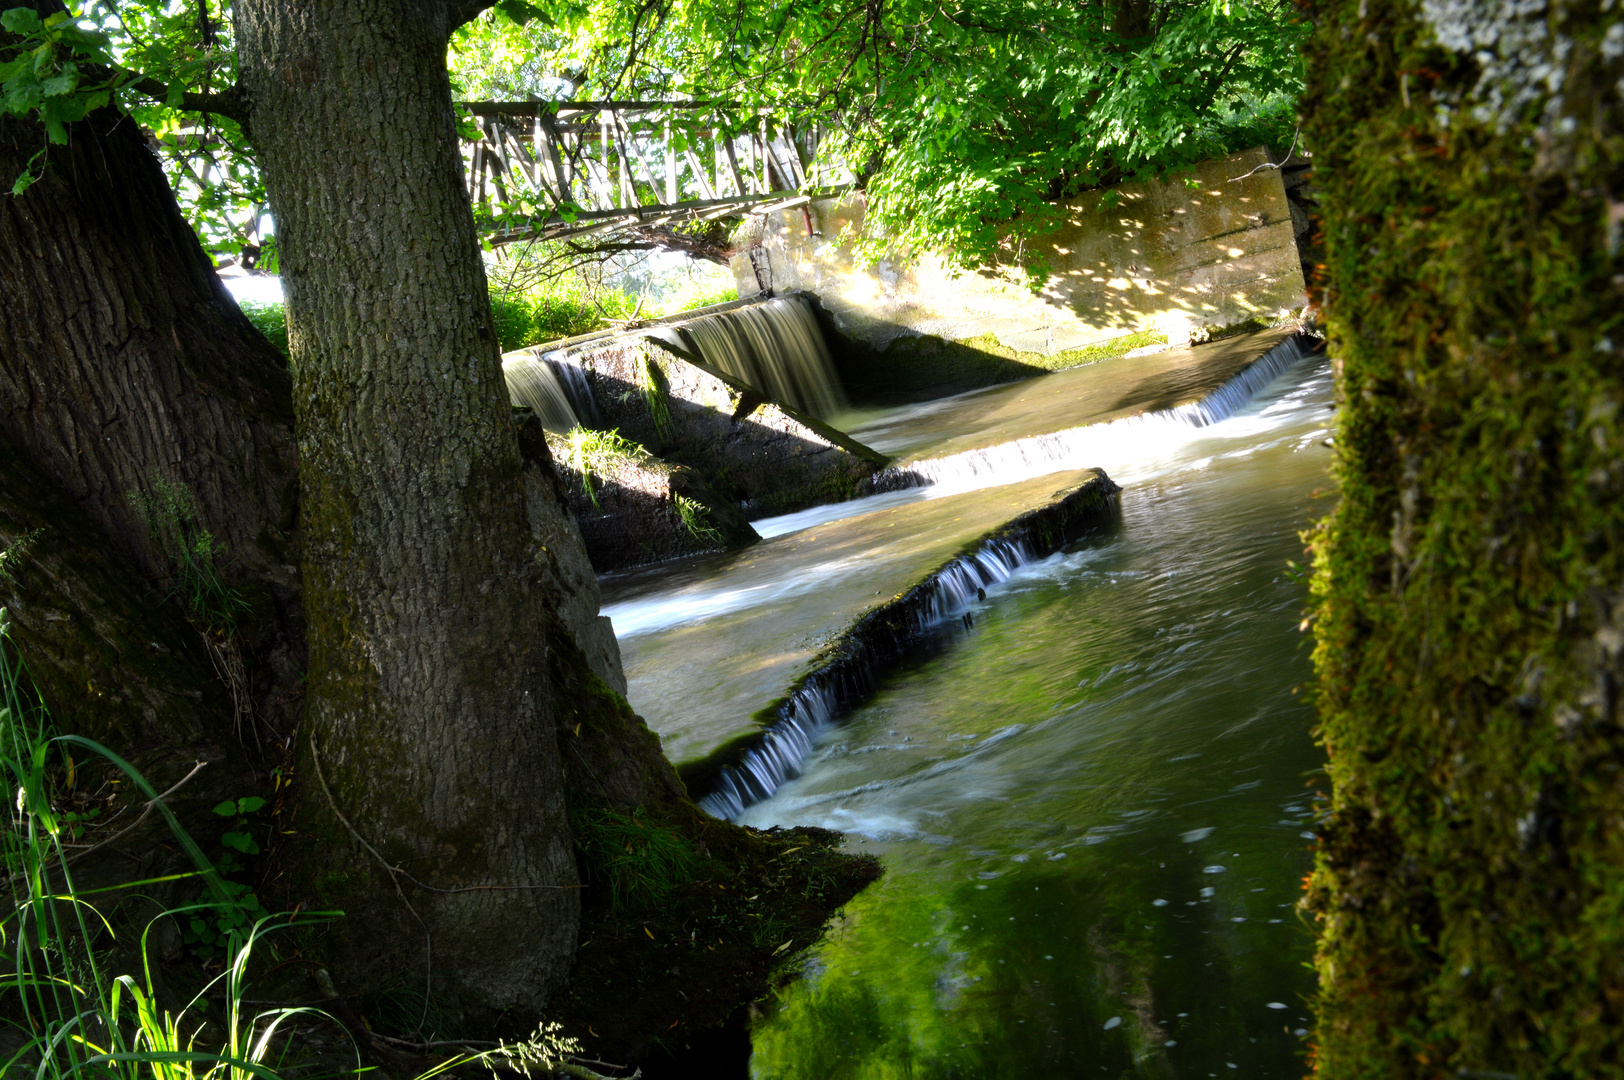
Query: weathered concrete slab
x,y
709,643
1170,256
747,449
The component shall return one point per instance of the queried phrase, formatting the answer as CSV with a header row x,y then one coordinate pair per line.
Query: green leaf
x,y
521,13
240,842
22,21
250,804
227,808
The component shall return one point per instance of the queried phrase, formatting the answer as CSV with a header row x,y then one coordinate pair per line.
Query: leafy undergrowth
x,y
650,975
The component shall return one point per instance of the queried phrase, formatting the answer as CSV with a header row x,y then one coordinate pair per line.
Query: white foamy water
x,y
1133,450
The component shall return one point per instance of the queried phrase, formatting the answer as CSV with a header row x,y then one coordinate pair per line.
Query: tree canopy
x,y
968,124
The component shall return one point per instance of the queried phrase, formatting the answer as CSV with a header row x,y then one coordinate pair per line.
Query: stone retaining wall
x,y
1160,259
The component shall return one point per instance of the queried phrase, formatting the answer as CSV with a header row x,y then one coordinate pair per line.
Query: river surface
x,y
1093,806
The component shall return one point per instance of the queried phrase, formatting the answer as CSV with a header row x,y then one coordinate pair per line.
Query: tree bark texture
x,y
112,661
126,366
1469,618
428,695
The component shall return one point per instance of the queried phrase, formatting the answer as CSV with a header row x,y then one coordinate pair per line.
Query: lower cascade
x,y
816,704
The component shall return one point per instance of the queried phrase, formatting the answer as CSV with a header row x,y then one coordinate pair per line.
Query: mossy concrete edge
x,y
885,636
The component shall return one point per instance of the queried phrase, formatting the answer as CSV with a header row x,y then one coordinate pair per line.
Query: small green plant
x,y
640,863
212,928
656,396
593,453
73,1016
11,556
694,519
170,513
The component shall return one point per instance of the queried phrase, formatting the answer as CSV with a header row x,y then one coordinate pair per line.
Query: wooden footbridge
x,y
549,170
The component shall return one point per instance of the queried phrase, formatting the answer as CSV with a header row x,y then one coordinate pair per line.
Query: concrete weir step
x,y
708,644
1192,384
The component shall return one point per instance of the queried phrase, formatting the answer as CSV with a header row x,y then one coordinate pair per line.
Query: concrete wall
x,y
1165,256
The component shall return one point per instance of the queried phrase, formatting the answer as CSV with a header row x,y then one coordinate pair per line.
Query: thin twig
x,y
136,824
1267,164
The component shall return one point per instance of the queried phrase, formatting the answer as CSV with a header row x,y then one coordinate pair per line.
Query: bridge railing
x,y
581,167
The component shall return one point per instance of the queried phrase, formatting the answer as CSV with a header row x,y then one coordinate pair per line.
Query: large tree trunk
x,y
1470,586
126,367
428,703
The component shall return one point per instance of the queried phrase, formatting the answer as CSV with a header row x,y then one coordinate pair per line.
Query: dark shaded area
x,y
664,981
118,663
912,367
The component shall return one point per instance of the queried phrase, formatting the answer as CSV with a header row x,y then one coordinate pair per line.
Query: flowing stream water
x,y
1093,804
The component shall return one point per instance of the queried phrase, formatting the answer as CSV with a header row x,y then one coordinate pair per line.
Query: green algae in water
x,y
1092,809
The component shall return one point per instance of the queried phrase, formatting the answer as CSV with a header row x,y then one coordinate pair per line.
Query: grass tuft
x,y
639,863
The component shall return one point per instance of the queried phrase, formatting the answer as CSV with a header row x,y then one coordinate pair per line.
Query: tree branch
x,y
228,103
464,11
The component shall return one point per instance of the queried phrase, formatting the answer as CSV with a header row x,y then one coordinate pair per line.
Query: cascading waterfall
x,y
775,347
573,378
1080,447
850,677
552,387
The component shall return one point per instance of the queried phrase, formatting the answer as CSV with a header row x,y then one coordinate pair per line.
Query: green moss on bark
x,y
1469,878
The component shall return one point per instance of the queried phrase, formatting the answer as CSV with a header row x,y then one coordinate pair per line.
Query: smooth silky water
x,y
1094,805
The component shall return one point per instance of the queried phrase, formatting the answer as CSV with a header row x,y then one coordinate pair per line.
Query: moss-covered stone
x,y
1469,879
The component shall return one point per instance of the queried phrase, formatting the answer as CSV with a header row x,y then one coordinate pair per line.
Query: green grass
x,y
639,863
73,1013
524,319
594,453
270,320
170,512
694,518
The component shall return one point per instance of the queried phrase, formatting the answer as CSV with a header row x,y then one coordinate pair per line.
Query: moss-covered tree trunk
x,y
1469,883
428,704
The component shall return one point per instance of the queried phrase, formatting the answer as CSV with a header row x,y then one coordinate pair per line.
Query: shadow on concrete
x,y
755,464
